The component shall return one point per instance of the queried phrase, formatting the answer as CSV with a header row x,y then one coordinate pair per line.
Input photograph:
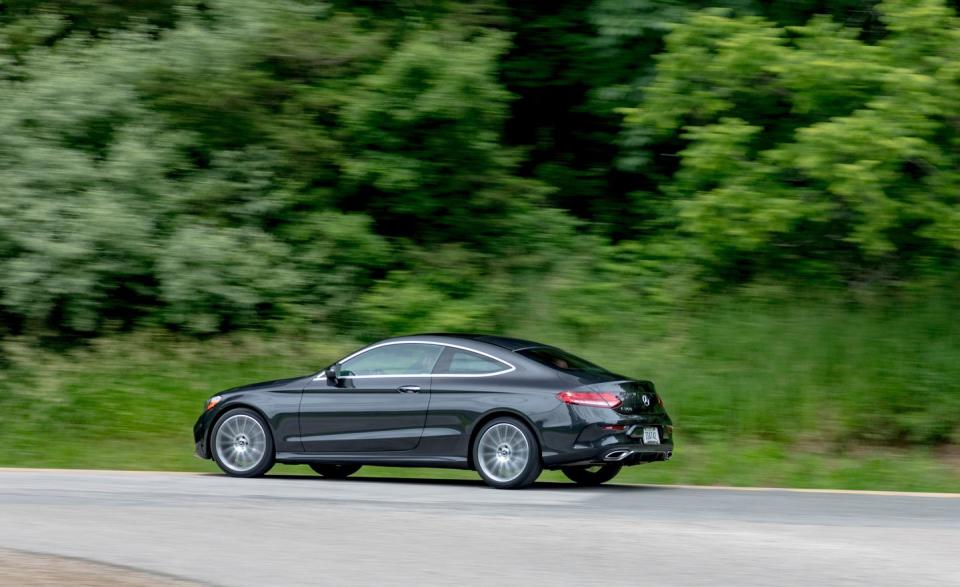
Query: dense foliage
x,y
385,167
755,203
805,147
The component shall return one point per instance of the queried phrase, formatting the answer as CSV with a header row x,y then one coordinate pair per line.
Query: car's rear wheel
x,y
335,471
591,475
506,454
243,444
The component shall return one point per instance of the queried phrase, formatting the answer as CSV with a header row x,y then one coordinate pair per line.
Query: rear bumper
x,y
620,454
596,445
637,454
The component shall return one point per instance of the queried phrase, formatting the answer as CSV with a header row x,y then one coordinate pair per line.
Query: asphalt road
x,y
310,531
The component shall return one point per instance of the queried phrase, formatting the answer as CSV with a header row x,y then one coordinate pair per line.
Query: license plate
x,y
651,436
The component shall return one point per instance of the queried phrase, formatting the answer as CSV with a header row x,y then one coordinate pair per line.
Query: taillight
x,y
593,399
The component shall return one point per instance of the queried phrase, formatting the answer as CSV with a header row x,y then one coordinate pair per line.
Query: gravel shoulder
x,y
24,569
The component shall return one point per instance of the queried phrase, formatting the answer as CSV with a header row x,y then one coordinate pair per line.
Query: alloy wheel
x,y
241,442
503,452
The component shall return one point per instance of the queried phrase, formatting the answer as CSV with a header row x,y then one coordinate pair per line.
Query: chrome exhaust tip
x,y
617,455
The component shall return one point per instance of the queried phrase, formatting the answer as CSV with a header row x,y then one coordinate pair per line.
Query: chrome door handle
x,y
408,388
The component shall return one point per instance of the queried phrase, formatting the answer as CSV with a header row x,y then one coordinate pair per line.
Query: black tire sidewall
x,y
334,471
269,455
530,472
581,476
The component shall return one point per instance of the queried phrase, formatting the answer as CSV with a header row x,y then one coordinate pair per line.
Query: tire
x,y
591,476
506,454
335,471
242,444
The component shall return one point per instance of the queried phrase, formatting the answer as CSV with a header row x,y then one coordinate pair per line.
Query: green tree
x,y
806,145
151,178
424,137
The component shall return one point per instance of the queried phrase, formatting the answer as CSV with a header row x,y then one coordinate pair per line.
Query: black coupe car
x,y
505,407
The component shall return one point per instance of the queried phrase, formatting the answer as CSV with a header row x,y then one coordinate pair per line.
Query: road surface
x,y
211,529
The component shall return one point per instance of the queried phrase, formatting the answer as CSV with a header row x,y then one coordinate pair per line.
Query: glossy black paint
x,y
376,421
363,415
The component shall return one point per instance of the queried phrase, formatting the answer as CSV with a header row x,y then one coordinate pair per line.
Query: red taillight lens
x,y
593,399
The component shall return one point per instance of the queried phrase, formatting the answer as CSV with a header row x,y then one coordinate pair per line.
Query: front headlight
x,y
212,402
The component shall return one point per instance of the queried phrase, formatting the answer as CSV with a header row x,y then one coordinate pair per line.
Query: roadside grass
x,y
809,394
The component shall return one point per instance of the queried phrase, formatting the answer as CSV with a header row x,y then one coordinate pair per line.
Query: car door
x,y
378,404
466,384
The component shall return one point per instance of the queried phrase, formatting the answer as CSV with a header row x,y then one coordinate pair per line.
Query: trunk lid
x,y
639,396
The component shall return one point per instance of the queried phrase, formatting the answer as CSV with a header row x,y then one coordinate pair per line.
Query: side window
x,y
463,362
394,359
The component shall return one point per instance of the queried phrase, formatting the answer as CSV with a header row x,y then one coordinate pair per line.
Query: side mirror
x,y
333,373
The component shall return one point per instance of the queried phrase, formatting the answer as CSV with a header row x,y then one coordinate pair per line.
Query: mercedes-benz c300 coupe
x,y
504,407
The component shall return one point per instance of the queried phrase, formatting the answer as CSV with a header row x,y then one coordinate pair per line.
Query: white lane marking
x,y
940,495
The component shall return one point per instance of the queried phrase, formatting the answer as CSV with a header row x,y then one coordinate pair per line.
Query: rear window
x,y
463,362
562,360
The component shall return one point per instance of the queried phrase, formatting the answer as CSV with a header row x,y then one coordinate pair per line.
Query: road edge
x,y
939,495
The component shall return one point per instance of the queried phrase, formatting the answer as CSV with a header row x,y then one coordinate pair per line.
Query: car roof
x,y
512,344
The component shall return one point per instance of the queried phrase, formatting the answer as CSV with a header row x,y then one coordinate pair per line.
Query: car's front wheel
x,y
335,471
243,444
591,475
506,454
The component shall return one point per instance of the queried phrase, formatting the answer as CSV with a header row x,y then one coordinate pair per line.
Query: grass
x,y
811,394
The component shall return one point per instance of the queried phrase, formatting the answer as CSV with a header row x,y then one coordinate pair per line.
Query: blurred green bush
x,y
815,377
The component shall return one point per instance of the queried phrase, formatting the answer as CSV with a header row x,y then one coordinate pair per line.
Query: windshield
x,y
562,360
